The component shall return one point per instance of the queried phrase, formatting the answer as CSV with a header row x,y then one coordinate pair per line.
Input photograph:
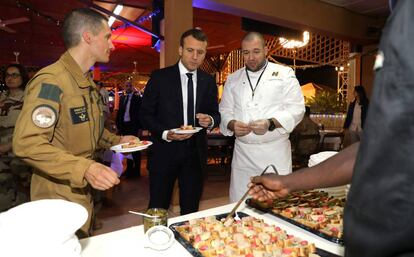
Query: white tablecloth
x,y
130,241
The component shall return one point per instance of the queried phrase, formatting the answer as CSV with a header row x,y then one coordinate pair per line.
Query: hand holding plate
x,y
177,137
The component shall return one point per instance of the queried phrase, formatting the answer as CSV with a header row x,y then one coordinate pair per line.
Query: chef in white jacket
x,y
261,104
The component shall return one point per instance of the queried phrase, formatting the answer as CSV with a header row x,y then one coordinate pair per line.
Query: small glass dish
x,y
159,238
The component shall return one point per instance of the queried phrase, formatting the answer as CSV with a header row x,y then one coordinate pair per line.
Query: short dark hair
x,y
254,35
23,73
78,19
196,33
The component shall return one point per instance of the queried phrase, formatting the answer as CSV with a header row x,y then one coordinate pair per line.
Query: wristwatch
x,y
272,125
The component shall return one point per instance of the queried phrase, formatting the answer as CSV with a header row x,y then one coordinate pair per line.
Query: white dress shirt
x,y
184,91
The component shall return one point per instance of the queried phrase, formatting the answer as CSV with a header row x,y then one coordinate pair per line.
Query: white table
x,y
130,241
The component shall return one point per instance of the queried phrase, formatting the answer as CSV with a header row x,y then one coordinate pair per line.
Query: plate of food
x,y
187,129
131,146
245,236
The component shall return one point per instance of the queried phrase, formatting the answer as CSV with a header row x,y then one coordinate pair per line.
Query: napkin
x,y
339,191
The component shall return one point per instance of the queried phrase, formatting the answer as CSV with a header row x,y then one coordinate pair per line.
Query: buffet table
x,y
130,241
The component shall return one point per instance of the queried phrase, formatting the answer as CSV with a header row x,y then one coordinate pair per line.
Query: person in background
x,y
261,104
178,95
379,208
127,122
61,124
105,99
305,138
355,117
14,174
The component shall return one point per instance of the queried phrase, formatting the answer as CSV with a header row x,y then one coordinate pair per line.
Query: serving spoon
x,y
143,214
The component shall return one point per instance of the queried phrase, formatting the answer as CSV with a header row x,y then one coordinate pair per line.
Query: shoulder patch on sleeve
x,y
44,116
50,92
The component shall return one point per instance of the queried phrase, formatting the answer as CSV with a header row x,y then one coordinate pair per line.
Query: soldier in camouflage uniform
x,y
61,123
14,174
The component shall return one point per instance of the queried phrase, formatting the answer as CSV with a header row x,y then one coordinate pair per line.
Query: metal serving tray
x,y
194,252
337,240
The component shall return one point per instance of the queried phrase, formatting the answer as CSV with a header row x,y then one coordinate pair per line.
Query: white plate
x,y
119,149
187,131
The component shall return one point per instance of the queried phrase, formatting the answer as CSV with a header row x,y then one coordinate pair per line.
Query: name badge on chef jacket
x,y
253,110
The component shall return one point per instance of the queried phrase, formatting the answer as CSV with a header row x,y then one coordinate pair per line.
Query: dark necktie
x,y
190,99
127,107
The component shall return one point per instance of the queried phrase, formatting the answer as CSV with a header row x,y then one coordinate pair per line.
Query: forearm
x,y
335,171
54,162
108,139
276,122
293,106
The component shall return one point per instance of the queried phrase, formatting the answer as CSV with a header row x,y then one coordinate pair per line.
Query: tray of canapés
x,y
314,211
244,236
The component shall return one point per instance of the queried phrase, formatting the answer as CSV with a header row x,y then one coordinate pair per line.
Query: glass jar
x,y
160,217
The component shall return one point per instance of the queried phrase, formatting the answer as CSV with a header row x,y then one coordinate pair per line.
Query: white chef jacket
x,y
278,95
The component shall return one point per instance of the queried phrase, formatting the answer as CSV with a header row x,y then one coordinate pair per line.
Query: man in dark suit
x,y
127,122
180,95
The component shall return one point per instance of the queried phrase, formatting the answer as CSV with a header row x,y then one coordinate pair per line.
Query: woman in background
x,y
14,174
355,117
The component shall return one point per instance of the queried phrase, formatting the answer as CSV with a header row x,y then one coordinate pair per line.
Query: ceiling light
x,y
117,11
295,43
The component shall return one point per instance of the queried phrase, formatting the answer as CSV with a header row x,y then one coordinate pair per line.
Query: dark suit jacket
x,y
162,109
133,113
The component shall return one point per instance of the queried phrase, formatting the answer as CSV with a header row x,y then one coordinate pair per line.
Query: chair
x,y
331,140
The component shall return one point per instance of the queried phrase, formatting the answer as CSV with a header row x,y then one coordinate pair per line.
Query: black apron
x,y
379,215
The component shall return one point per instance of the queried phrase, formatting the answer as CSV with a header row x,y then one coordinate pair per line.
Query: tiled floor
x,y
133,194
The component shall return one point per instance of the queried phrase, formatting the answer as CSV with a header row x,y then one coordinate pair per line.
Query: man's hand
x,y
127,139
101,177
177,137
259,127
240,128
204,119
268,186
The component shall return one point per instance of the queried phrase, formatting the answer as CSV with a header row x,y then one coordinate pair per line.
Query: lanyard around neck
x,y
257,83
